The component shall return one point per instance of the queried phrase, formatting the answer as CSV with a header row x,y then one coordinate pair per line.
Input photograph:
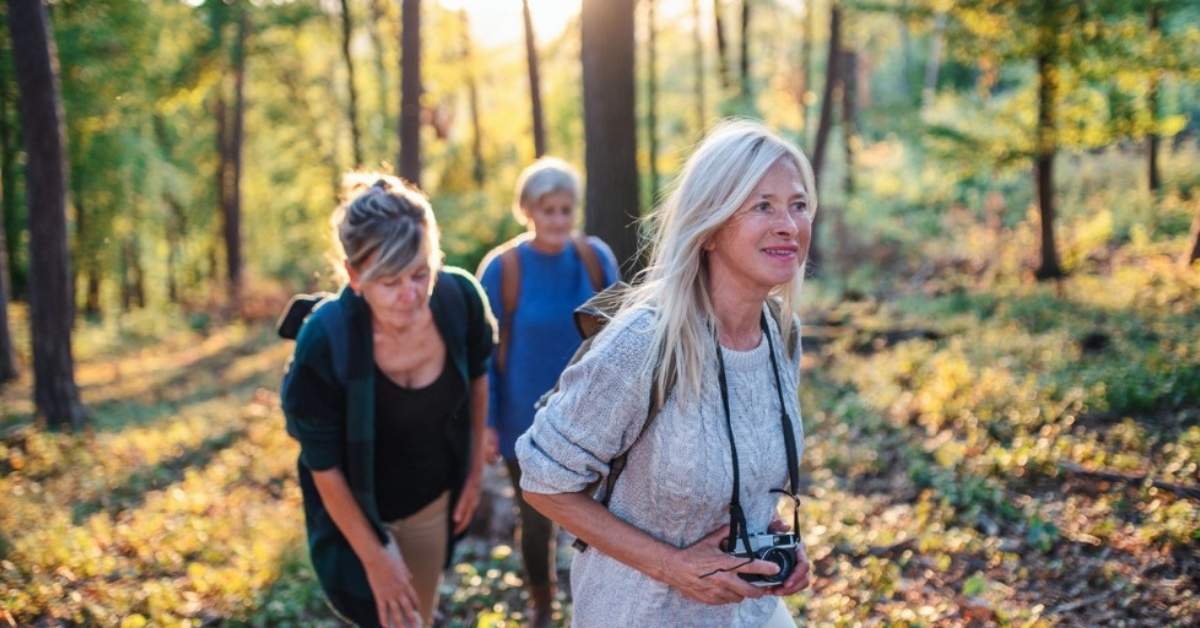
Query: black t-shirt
x,y
413,452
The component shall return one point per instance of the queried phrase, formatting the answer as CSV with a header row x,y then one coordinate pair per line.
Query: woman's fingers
x,y
464,510
395,614
759,567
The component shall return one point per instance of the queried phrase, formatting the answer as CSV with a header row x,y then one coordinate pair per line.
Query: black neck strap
x,y
737,517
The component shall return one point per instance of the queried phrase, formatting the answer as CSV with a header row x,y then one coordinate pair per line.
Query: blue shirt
x,y
543,336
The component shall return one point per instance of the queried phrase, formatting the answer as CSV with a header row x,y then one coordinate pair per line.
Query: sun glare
x,y
496,22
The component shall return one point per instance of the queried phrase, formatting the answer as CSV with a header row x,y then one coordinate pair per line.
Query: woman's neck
x,y
398,328
738,311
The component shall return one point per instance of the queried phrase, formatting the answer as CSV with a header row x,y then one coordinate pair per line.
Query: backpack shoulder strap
x,y
510,291
591,261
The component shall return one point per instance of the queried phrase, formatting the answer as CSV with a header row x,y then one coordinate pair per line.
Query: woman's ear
x,y
355,278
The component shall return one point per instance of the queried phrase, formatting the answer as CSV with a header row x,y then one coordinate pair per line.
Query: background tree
x,y
51,311
347,24
744,80
610,127
535,83
722,46
478,170
410,91
698,67
652,97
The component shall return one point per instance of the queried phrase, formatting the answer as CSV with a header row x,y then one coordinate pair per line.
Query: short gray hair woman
x,y
733,233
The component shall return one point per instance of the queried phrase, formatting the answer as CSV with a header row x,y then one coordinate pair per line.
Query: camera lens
x,y
784,558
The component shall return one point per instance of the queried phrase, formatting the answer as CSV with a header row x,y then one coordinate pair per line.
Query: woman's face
x,y
397,299
766,240
551,218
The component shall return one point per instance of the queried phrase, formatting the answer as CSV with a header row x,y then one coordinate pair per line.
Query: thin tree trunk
x,y
698,67
934,63
352,111
233,183
1193,249
8,188
378,17
825,123
85,247
535,83
806,47
652,97
8,361
410,91
849,71
478,171
35,58
1152,140
220,113
722,47
610,126
126,285
1048,267
744,56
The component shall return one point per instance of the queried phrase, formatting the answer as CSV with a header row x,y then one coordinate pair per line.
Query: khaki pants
x,y
421,539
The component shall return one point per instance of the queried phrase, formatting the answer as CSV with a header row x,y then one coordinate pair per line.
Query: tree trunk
x,y
478,171
8,361
85,247
1152,139
722,47
352,112
698,67
1193,249
378,18
233,173
806,46
744,56
1048,267
535,83
849,71
410,91
825,123
35,59
652,97
610,126
934,63
8,190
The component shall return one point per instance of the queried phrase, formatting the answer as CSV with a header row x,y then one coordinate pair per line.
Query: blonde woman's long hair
x,y
716,180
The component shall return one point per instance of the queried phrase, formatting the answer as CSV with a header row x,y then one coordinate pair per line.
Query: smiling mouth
x,y
783,252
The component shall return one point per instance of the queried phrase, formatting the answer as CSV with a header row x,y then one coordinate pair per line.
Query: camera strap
x,y
737,517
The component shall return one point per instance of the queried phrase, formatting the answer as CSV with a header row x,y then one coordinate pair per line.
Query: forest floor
x,y
1020,455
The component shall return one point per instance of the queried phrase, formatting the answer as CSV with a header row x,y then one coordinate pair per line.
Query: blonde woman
x,y
387,394
534,283
700,334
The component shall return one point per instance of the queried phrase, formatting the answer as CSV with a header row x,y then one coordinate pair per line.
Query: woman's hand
x,y
468,500
799,580
704,573
391,582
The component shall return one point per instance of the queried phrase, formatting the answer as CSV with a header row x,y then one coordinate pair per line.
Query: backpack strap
x,y
590,260
510,291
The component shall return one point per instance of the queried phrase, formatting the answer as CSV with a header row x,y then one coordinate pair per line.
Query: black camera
x,y
773,548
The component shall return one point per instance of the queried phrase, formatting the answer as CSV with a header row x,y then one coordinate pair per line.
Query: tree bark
x,y
652,97
233,173
825,123
610,126
8,361
722,46
698,67
478,170
1152,139
1193,249
8,190
744,56
378,17
535,83
1048,267
410,91
849,71
35,59
352,110
934,63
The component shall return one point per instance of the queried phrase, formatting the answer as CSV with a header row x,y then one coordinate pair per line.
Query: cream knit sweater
x,y
677,482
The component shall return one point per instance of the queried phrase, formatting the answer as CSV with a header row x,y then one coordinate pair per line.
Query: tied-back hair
x,y
714,183
383,214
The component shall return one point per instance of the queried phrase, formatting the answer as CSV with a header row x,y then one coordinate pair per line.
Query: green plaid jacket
x,y
328,398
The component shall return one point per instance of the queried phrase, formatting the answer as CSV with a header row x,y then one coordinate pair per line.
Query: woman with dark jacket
x,y
387,395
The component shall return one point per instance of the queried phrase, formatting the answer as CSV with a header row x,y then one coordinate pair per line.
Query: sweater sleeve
x,y
490,280
596,414
314,404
